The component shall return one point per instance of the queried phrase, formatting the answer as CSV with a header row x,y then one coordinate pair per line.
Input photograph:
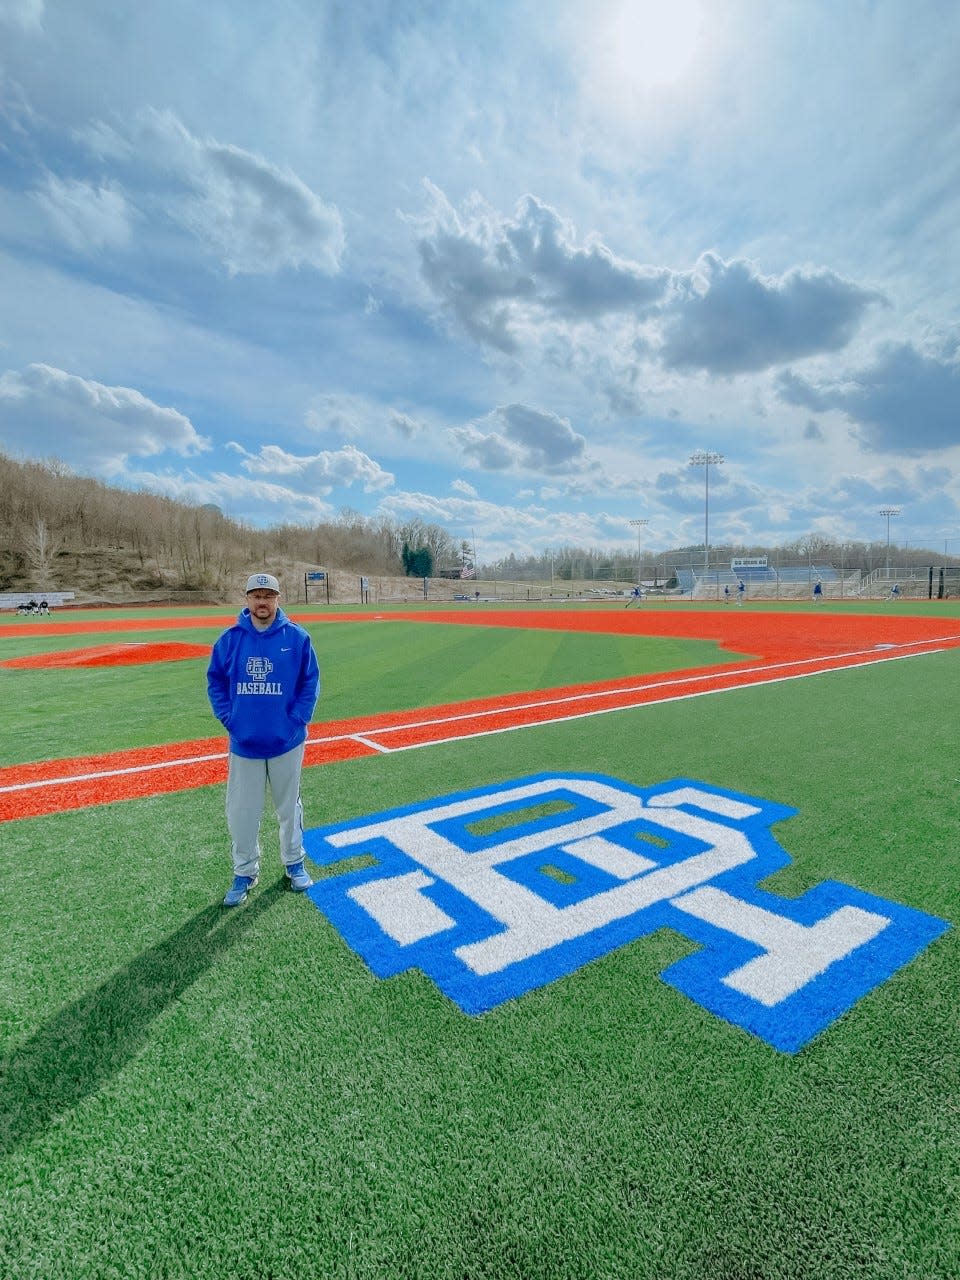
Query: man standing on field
x,y
263,681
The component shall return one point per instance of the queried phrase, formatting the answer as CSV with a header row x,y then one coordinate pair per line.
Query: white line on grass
x,y
847,660
362,739
603,711
112,773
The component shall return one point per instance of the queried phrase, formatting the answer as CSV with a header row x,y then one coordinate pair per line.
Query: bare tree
x,y
40,548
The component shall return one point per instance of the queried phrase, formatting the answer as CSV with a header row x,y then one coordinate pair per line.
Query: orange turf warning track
x,y
786,646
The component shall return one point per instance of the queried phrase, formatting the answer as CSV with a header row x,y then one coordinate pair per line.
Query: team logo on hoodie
x,y
258,669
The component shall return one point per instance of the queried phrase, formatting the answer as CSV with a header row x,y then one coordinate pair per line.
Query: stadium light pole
x,y
889,512
706,458
639,525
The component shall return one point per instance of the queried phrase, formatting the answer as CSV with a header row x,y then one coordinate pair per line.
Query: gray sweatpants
x,y
247,781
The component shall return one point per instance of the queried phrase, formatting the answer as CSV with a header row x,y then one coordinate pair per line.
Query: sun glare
x,y
643,44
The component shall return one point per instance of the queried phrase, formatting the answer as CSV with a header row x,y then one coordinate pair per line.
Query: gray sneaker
x,y
238,891
299,879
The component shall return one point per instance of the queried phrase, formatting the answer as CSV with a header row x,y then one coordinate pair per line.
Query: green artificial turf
x,y
187,1092
366,668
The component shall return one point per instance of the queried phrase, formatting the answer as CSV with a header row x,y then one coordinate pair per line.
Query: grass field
x,y
191,1092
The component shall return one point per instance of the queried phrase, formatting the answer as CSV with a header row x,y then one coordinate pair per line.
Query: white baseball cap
x,y
262,582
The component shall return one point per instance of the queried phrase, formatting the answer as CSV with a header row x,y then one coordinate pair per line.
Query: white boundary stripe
x,y
717,675
637,706
361,738
111,773
368,740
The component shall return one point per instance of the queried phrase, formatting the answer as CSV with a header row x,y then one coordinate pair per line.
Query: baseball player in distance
x,y
263,682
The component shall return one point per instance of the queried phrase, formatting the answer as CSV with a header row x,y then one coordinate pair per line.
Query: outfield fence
x,y
798,582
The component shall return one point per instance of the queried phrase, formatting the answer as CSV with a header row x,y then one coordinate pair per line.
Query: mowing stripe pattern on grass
x,y
790,647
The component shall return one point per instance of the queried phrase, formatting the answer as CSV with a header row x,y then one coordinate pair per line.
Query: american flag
x,y
467,572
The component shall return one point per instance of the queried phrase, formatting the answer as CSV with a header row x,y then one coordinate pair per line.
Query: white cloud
x,y
726,318
58,317
404,425
86,216
259,218
341,415
516,283
492,271
106,142
505,527
344,416
499,527
905,401
92,427
516,437
319,472
270,503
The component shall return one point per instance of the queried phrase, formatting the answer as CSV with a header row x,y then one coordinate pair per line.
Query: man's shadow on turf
x,y
85,1044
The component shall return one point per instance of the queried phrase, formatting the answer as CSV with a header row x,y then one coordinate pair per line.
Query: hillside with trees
x,y
64,532
61,531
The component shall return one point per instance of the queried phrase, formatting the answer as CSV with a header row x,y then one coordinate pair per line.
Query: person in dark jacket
x,y
263,681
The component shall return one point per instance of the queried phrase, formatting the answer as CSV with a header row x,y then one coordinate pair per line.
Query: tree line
x,y
51,520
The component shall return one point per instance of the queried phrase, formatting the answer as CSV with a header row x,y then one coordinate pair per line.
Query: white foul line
x,y
487,713
721,673
112,773
603,711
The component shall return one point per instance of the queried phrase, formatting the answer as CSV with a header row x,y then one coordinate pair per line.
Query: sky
x,y
502,266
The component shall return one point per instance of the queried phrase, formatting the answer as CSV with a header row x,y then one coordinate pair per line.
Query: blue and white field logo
x,y
494,892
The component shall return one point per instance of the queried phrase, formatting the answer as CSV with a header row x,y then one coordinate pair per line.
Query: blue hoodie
x,y
263,685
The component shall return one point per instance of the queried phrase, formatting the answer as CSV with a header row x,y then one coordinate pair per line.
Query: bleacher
x,y
789,582
750,574
809,574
